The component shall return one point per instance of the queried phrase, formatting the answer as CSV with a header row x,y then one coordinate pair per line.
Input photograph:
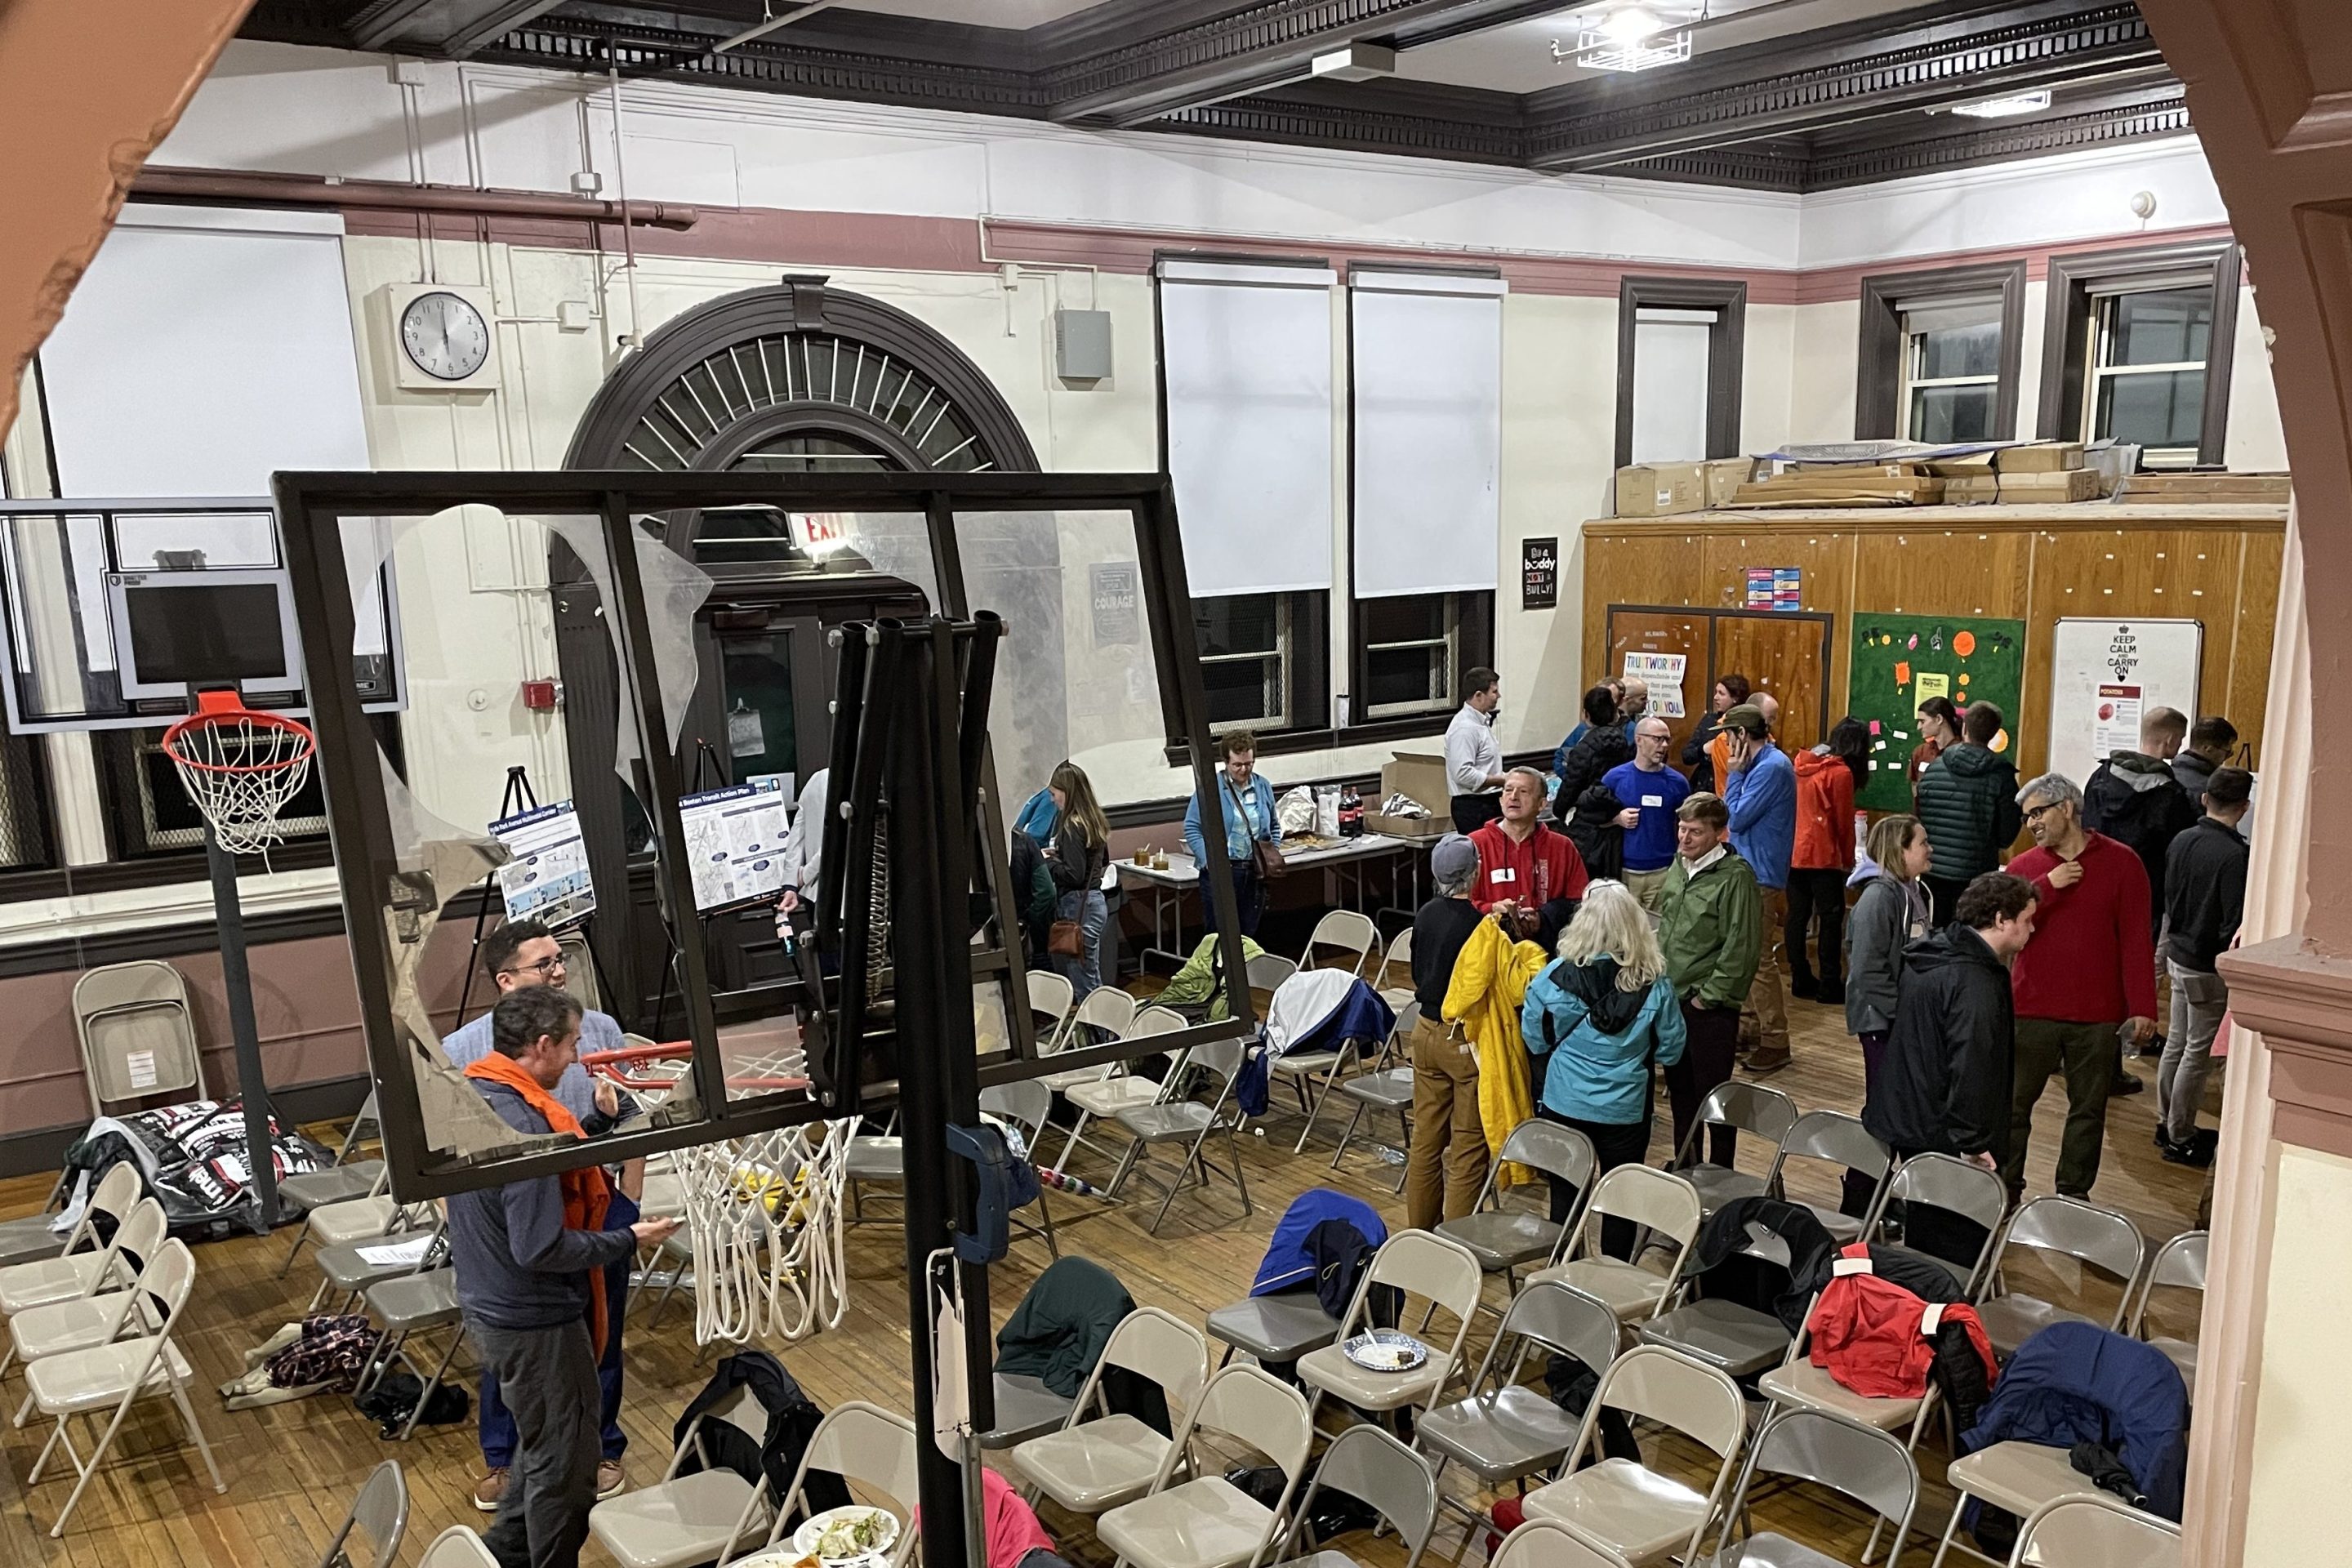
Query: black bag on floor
x,y
395,1396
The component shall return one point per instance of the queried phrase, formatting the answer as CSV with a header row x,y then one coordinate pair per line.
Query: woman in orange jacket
x,y
1826,778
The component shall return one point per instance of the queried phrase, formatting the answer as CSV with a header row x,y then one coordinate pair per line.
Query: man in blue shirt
x,y
1652,793
519,956
1762,796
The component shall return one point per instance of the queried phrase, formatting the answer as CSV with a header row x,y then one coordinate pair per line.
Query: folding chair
x,y
1207,1521
1643,1514
2091,1237
2095,1532
1398,952
29,1238
2023,1478
379,1517
693,1518
1839,1140
1723,1333
347,1271
1104,1091
1418,1263
1347,928
1385,1087
111,1377
1268,971
870,1447
356,1217
1098,1461
1368,1465
1505,1431
137,1037
1503,1240
1667,1206
1548,1544
1174,1120
1751,1108
1027,1105
83,1262
98,1312
411,1304
342,1182
1955,1187
1050,997
457,1547
1856,1461
2179,1265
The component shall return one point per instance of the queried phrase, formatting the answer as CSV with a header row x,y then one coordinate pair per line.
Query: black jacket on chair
x,y
1944,1085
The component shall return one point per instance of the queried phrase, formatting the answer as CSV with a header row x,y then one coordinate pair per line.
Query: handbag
x,y
1264,852
1063,938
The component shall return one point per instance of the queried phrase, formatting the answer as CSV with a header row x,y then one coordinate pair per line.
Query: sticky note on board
x,y
1902,735
1878,745
1873,726
1874,764
1903,672
1932,683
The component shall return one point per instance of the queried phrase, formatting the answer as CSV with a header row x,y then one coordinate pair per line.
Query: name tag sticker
x,y
1653,800
1845,1265
1505,874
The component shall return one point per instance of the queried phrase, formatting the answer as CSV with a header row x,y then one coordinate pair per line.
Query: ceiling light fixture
x,y
1631,35
1356,62
2003,108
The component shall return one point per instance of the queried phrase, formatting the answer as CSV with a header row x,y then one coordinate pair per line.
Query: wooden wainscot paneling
x,y
1626,563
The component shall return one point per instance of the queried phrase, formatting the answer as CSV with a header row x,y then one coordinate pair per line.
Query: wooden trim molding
x,y
2066,328
1877,412
2301,1000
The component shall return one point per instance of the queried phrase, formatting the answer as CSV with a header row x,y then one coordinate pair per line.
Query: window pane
x,y
1243,623
2154,408
2167,326
1945,351
1941,413
1412,618
1240,692
1406,677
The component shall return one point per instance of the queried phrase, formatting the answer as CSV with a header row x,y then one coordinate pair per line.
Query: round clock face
x,y
444,336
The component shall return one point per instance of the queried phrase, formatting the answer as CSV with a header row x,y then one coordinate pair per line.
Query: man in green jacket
x,y
1711,934
1966,800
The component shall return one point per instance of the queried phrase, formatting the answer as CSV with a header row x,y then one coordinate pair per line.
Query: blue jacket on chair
x,y
2076,1383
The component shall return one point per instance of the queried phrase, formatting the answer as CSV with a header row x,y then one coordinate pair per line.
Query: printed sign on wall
x,y
1539,574
1663,672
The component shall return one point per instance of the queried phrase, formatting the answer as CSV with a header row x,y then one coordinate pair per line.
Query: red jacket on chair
x,y
1876,1338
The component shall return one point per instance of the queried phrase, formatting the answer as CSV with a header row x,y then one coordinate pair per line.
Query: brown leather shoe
x,y
490,1489
609,1479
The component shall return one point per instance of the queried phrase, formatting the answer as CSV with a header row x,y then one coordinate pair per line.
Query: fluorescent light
x,y
1629,25
2003,108
1356,62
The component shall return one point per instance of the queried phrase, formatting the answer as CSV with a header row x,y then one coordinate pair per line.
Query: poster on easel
x,y
735,844
1901,661
545,876
2107,674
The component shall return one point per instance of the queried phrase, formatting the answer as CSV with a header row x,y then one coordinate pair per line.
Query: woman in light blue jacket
x,y
1600,1018
1247,808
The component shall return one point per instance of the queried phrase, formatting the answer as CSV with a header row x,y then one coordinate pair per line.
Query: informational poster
x,y
1663,672
735,844
1539,573
545,878
1900,661
2115,721
1117,592
1776,588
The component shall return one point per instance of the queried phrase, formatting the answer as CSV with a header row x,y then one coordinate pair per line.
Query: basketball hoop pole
x,y
236,981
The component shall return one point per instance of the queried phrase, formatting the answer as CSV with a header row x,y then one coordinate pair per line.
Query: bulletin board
x,y
1900,661
2106,673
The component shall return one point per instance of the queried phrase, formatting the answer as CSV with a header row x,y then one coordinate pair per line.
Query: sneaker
x,y
490,1489
2124,1084
609,1479
2191,1154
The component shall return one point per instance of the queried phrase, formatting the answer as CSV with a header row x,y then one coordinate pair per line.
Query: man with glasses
x,y
1652,793
2087,977
521,955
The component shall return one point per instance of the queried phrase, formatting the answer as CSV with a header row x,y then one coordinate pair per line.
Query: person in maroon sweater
x,y
2088,974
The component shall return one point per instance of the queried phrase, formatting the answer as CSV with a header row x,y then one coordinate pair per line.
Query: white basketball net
x,y
764,1217
241,769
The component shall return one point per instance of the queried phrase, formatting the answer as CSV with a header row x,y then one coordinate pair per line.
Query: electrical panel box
x,y
1082,344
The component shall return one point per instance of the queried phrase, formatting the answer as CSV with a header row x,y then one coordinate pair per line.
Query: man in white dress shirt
x,y
1474,758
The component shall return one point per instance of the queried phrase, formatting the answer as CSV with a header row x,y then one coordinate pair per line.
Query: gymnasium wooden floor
x,y
293,1469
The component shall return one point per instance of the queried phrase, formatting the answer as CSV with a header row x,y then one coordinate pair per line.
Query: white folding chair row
x,y
1100,1459
1664,1204
97,1312
83,1256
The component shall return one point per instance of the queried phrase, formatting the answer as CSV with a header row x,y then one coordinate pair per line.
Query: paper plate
x,y
1385,1349
804,1539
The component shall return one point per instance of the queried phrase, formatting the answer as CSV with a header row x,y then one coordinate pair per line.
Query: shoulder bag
x,y
1265,852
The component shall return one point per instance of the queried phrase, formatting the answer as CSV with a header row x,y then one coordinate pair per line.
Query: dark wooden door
x,y
1635,629
1786,655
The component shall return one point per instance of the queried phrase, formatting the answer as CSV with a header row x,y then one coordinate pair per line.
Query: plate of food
x,y
1385,1349
852,1534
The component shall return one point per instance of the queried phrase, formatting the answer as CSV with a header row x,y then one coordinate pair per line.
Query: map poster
x,y
1663,674
735,844
545,876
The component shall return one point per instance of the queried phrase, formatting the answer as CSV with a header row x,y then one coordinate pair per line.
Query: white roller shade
x,y
1427,356
1671,354
1245,354
202,352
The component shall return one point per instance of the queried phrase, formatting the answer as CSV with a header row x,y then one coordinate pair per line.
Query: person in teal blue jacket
x,y
1246,802
1599,1017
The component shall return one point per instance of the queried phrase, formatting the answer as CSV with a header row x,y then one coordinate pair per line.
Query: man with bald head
x,y
1634,705
1652,793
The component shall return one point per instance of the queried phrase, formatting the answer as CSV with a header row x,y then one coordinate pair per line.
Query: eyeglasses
x,y
2036,812
545,968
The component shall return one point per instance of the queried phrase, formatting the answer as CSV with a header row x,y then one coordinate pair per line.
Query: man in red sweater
x,y
1530,873
2087,975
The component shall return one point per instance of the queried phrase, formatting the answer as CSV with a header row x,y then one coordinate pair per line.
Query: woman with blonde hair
x,y
1078,860
1604,1013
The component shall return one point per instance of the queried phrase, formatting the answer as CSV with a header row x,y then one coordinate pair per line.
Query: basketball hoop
x,y
240,767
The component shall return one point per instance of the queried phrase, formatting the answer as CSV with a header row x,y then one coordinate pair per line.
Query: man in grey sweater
x,y
530,1256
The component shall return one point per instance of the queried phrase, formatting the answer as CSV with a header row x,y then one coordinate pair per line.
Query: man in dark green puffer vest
x,y
1966,800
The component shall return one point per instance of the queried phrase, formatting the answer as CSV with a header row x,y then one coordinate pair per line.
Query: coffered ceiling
x,y
1778,94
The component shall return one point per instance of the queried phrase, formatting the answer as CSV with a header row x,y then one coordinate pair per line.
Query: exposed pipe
x,y
159,185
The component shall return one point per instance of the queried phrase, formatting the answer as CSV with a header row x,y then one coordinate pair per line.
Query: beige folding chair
x,y
1505,1240
100,1311
1375,1469
1050,997
1667,1206
2181,1266
2095,1532
1174,1119
85,1264
1386,1087
112,1378
1548,1544
1268,971
457,1547
1834,1138
1345,929
1420,1262
1107,1089
2023,1478
1956,1188
2057,1227
1798,1384
1855,1461
1751,1108
696,1518
1207,1521
1641,1514
1029,1106
869,1447
360,1218
344,1181
1312,1076
379,1517
1399,952
1099,1461
137,1037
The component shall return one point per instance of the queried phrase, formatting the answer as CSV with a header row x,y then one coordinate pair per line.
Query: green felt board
x,y
1879,686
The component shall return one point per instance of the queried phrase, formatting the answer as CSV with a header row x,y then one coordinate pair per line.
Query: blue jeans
x,y
498,1424
1092,911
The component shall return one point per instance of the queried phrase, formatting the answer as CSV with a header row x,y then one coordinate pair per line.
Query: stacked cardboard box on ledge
x,y
2195,488
2045,473
1670,489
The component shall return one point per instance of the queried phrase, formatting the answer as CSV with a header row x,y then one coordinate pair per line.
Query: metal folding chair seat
x,y
2019,1477
1751,1108
1839,1140
1548,1544
457,1547
1505,1431
67,1267
1724,1334
2062,1227
412,1304
1368,1465
1418,1263
1207,1521
1273,1328
1505,1240
28,1240
345,1271
1858,1462
2179,1265
356,1219
378,1517
1640,1513
1098,1460
1667,1206
2096,1533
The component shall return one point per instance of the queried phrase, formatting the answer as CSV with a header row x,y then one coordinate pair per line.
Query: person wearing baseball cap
x,y
1447,1166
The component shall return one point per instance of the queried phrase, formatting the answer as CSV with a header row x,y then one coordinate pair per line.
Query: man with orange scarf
x,y
530,1258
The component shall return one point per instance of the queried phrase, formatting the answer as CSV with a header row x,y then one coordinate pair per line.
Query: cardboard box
x,y
2229,490
1419,776
1660,490
2046,488
1972,490
1724,476
2040,457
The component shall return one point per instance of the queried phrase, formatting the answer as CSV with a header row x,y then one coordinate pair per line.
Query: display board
x,y
735,844
545,878
2106,674
1900,661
